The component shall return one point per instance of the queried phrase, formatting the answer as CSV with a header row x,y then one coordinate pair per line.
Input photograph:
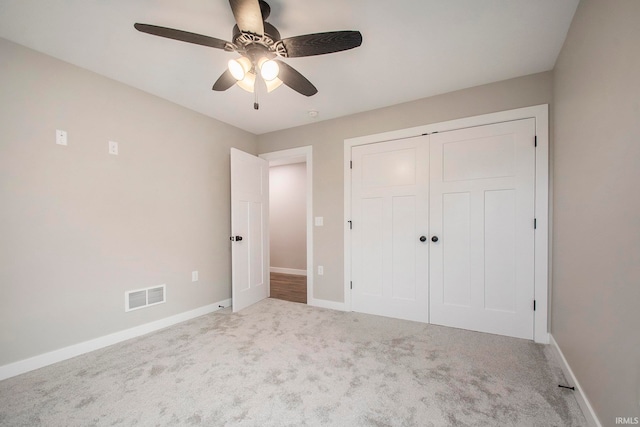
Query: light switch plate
x,y
113,148
194,276
61,137
319,221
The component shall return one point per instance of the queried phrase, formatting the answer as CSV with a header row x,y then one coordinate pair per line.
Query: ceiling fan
x,y
259,43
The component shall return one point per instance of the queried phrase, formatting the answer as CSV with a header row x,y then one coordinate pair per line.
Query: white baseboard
x,y
323,303
587,409
42,360
542,338
288,271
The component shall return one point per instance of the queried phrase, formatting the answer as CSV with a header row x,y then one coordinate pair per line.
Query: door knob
x,y
434,239
235,238
423,238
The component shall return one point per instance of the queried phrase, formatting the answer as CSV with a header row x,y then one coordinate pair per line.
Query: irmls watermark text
x,y
628,420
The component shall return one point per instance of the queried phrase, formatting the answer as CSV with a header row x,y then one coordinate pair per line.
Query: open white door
x,y
249,229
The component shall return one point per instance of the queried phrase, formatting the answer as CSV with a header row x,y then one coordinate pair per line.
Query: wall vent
x,y
141,298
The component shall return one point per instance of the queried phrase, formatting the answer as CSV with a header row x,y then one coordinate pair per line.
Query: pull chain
x,y
256,106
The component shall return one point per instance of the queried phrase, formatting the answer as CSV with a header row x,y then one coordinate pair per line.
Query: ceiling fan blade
x,y
224,82
295,80
321,43
183,36
248,15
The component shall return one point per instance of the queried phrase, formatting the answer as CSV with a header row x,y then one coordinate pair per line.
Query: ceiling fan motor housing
x,y
269,39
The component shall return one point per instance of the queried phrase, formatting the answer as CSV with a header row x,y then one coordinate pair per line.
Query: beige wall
x,y
327,139
79,227
287,216
596,243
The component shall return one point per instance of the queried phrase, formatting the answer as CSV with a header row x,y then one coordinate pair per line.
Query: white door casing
x,y
249,229
302,155
390,213
482,186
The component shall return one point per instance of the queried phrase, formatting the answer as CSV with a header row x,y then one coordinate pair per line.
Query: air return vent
x,y
141,298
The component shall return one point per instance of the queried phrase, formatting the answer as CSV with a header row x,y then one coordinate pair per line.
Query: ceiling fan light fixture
x,y
236,69
269,70
248,83
240,67
272,84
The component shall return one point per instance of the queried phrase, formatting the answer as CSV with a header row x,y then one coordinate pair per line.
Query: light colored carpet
x,y
285,364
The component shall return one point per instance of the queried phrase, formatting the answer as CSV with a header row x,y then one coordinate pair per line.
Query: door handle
x,y
235,238
434,239
423,238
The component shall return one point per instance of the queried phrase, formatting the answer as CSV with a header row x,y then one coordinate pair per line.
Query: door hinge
x,y
535,223
350,164
535,141
350,225
534,305
350,285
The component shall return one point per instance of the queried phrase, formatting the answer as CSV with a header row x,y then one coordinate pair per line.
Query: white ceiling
x,y
411,49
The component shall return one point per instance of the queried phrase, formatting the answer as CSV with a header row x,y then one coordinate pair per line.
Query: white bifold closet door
x,y
482,215
390,214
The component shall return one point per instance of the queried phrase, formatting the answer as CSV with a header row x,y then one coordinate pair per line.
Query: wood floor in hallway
x,y
289,287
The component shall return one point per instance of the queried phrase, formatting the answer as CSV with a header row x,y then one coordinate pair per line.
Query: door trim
x,y
300,155
541,240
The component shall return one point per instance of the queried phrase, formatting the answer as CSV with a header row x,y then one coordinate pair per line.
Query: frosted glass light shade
x,y
248,83
239,67
236,69
272,84
269,70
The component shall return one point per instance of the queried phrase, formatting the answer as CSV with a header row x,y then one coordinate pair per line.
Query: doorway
x,y
290,224
489,272
287,231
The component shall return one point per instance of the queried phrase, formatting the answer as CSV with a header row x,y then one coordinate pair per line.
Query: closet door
x,y
482,228
390,215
